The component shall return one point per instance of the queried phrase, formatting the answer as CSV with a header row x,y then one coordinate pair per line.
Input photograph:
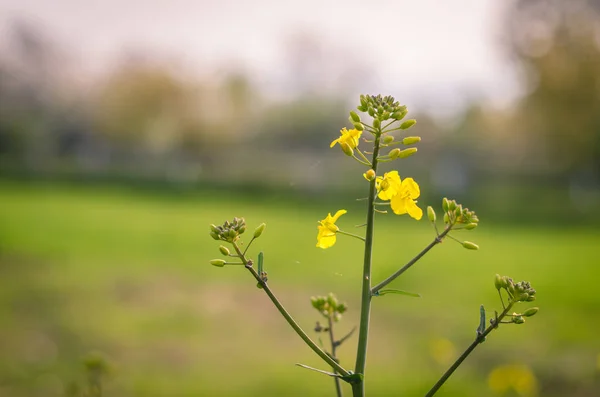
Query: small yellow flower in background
x,y
328,229
404,202
348,140
442,350
515,377
388,185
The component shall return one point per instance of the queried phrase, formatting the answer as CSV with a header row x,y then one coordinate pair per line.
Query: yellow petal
x,y
398,204
337,215
409,185
413,210
326,241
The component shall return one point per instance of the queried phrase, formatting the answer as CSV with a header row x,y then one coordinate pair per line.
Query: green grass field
x,y
127,274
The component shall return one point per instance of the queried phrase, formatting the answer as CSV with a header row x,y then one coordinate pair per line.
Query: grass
x,y
127,273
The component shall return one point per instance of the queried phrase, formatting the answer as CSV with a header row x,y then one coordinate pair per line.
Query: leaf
x,y
396,291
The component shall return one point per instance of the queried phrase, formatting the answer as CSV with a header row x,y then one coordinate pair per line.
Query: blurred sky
x,y
437,52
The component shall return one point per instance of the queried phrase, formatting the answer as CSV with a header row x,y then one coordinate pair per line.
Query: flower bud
x,y
354,116
369,175
498,282
399,115
407,124
363,100
388,139
371,111
451,205
348,151
471,226
215,235
394,153
431,213
531,298
517,319
358,126
224,250
258,231
241,230
446,218
376,124
214,228
410,140
470,246
218,262
407,152
530,312
386,115
445,204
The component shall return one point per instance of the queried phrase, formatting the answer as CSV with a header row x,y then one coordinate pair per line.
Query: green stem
x,y
414,260
358,389
289,318
479,339
351,235
338,386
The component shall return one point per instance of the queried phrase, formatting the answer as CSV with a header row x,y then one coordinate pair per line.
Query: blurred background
x,y
126,128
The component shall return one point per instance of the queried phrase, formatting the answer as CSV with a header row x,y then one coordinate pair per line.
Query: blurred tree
x,y
558,45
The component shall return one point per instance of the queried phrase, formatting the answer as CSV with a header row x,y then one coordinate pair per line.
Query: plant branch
x,y
338,386
479,339
289,318
414,260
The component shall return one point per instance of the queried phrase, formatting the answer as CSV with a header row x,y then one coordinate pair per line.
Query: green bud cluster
x,y
229,231
329,306
517,292
381,108
455,214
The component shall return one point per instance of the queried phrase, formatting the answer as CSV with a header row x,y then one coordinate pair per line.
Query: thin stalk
x,y
351,235
414,260
358,389
338,386
289,318
479,339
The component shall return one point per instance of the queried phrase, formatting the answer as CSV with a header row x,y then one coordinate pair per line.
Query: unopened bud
x,y
258,231
218,262
431,213
242,230
214,228
471,226
407,124
399,115
376,124
215,235
369,175
446,218
470,246
394,153
445,204
354,116
371,111
388,139
410,140
530,312
407,152
517,319
498,282
348,151
451,205
224,250
386,115
358,126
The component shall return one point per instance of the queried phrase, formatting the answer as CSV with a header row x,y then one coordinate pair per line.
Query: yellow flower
x,y
327,230
404,202
401,193
388,185
348,140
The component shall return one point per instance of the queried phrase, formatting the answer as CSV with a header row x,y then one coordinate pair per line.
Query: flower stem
x,y
351,235
289,318
358,389
338,386
479,339
414,260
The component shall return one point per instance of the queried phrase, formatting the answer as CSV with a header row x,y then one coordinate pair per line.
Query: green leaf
x,y
396,291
